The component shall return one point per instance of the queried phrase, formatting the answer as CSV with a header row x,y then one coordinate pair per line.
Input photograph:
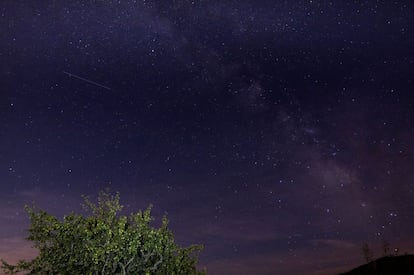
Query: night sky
x,y
279,134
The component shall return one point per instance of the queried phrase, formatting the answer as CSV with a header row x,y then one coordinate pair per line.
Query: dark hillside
x,y
401,265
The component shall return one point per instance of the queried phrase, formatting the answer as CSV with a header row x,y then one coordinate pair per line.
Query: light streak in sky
x,y
87,80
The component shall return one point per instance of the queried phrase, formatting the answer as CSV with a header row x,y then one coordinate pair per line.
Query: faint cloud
x,y
337,244
242,230
297,261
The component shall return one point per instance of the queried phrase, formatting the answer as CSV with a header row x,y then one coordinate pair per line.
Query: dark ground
x,y
386,265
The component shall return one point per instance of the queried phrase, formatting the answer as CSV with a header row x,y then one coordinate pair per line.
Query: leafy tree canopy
x,y
104,242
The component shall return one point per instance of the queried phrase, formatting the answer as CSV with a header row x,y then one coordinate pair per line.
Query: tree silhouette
x,y
367,252
385,248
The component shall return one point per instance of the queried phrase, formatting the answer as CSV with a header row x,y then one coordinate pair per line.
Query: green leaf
x,y
104,242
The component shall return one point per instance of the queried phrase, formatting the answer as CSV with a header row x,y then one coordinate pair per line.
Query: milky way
x,y
279,134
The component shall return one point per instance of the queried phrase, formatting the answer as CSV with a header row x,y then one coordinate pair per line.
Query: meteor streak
x,y
86,80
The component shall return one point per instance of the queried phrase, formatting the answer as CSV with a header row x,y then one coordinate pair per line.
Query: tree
x,y
385,248
104,242
367,252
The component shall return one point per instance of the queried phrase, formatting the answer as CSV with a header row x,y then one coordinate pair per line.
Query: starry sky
x,y
279,134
